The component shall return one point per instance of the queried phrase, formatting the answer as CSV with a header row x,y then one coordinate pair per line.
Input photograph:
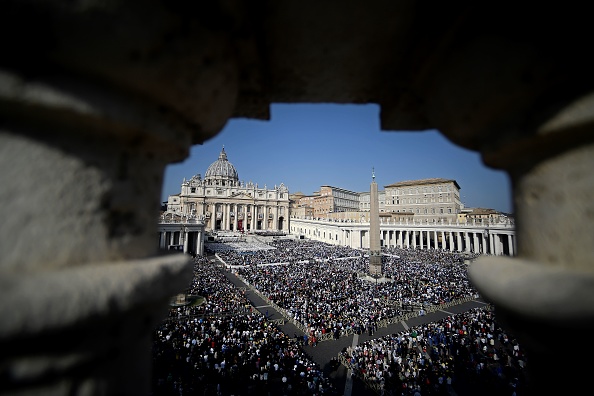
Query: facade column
x,y
227,217
185,234
231,208
435,240
163,240
510,244
200,242
255,216
459,240
421,232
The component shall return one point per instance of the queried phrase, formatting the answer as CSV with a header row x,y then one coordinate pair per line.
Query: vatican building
x,y
224,203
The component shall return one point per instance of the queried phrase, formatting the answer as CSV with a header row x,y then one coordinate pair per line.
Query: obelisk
x,y
375,253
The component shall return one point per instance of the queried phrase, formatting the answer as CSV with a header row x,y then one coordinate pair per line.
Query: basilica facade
x,y
224,203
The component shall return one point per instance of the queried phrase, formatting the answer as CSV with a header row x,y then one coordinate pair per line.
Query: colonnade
x,y
490,239
487,241
186,237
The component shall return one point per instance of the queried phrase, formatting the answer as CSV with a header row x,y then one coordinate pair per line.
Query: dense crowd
x,y
318,285
225,347
468,348
219,348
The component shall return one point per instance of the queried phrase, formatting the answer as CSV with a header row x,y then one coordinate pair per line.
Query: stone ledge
x,y
53,300
534,290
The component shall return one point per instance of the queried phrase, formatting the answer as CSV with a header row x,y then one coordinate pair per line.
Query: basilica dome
x,y
222,169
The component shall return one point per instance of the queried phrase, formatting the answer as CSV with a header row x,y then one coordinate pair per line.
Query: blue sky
x,y
306,146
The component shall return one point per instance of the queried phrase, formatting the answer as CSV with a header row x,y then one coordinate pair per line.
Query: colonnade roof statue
x,y
97,98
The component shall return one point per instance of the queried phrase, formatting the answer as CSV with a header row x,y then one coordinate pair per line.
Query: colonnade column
x,y
510,244
162,240
200,243
467,242
486,241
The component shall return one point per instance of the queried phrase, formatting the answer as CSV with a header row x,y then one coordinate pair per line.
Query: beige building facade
x,y
425,200
430,200
334,199
224,203
365,201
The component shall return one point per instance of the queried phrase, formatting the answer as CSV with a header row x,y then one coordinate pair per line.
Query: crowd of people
x,y
224,346
319,285
469,347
